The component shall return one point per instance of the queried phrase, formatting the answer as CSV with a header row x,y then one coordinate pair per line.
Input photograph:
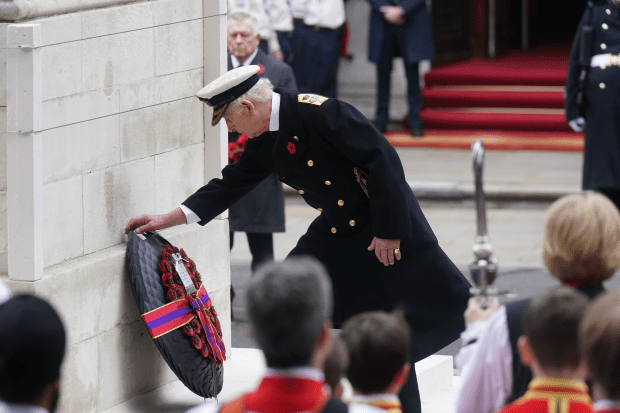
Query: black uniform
x,y
601,163
346,169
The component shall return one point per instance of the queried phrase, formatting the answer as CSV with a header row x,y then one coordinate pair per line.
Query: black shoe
x,y
381,126
416,131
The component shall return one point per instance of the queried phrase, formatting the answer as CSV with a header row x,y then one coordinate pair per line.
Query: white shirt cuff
x,y
190,216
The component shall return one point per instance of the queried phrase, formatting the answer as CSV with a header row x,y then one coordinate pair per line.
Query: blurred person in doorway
x,y
399,28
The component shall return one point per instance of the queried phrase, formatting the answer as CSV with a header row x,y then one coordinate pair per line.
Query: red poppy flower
x,y
167,279
175,293
187,329
205,350
198,341
291,148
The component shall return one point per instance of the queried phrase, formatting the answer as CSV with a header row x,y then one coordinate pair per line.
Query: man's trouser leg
x,y
414,94
261,247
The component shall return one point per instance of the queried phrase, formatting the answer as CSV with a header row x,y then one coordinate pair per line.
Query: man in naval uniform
x,y
261,212
371,234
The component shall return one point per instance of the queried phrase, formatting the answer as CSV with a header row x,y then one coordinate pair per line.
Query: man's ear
x,y
247,108
525,351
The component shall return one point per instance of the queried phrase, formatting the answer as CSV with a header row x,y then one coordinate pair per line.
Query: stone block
x,y
79,378
161,128
3,40
4,240
178,174
81,148
178,47
215,50
60,29
79,108
117,59
214,7
174,11
113,20
111,197
160,89
63,220
129,364
3,160
91,293
61,70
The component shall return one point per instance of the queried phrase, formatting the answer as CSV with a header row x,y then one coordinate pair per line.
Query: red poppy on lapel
x,y
291,148
261,70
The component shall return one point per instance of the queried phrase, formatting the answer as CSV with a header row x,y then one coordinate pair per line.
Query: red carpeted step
x,y
446,119
488,99
493,139
533,68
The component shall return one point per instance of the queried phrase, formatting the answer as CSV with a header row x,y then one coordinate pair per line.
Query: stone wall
x,y
121,134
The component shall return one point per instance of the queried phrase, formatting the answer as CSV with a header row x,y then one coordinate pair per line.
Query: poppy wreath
x,y
193,313
235,149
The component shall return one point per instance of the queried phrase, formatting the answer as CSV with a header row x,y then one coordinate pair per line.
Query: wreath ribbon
x,y
177,313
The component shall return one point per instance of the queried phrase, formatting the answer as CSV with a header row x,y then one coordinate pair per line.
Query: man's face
x,y
241,43
245,122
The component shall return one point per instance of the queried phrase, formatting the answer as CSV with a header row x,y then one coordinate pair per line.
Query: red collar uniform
x,y
284,391
388,402
552,395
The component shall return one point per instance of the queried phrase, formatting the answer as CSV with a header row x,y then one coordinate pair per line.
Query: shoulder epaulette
x,y
312,99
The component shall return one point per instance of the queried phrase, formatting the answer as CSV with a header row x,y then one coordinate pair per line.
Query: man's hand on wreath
x,y
386,250
147,222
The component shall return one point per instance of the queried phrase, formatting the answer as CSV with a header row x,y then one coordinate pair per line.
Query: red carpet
x,y
463,139
514,102
531,68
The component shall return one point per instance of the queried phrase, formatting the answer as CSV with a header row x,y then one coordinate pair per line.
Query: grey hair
x,y
288,303
260,92
241,15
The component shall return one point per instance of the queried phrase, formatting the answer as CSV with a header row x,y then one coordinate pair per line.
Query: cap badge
x,y
291,148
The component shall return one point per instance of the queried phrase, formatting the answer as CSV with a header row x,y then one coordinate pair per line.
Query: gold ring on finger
x,y
396,251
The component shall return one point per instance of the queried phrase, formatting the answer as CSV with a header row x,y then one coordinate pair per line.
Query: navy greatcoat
x,y
262,209
601,156
343,167
412,40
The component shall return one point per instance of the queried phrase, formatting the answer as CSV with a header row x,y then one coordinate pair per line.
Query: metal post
x,y
24,153
492,29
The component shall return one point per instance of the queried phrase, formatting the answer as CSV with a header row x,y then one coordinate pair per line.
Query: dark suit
x,y
321,150
261,212
412,40
601,155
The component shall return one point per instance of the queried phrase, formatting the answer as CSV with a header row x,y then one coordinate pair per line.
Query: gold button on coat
x,y
333,230
352,223
310,163
296,138
605,26
328,182
602,85
603,46
301,191
320,209
341,202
